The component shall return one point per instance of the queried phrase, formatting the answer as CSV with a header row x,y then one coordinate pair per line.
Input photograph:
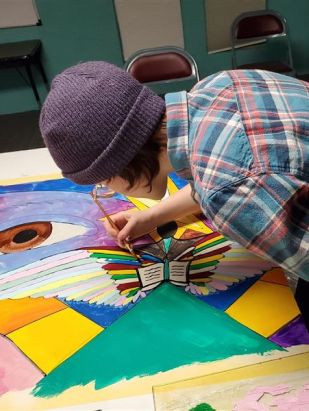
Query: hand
x,y
131,224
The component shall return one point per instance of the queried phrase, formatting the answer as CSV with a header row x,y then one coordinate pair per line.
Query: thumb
x,y
126,232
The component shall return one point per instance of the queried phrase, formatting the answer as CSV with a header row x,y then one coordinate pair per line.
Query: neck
x,y
165,164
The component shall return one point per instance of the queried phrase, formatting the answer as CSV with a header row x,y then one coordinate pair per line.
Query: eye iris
x,y
24,236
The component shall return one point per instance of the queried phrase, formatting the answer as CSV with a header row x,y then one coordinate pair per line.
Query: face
x,y
140,189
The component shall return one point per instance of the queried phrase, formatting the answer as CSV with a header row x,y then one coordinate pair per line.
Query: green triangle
x,y
168,329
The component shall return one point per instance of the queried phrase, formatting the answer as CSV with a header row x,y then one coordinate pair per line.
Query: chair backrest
x,y
259,25
162,65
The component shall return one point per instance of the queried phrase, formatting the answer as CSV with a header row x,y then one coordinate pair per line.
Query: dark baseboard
x,y
20,131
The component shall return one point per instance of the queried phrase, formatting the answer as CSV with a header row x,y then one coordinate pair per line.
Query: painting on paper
x,y
77,309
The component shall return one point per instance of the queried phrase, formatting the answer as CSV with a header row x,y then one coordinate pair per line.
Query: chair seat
x,y
160,67
275,66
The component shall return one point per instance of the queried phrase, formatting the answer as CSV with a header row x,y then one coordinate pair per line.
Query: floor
x,y
20,131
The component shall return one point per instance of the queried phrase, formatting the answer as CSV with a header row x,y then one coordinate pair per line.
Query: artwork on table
x,y
281,398
77,309
279,385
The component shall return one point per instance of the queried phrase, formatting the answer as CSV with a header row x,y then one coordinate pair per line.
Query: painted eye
x,y
24,237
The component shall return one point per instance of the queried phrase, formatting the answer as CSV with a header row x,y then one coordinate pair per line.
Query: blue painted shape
x,y
61,184
180,183
103,315
150,257
223,299
128,262
121,197
50,185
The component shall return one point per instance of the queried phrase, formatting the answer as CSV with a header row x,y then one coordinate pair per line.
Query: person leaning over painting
x,y
240,138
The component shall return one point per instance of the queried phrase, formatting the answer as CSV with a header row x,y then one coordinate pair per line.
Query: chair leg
x,y
32,83
301,296
42,71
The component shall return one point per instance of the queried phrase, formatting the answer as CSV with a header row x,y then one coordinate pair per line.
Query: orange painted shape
x,y
15,314
276,276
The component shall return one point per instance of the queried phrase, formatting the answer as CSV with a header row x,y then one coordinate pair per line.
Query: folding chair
x,y
257,26
162,65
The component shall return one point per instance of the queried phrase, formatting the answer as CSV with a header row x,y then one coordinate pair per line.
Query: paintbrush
x,y
114,225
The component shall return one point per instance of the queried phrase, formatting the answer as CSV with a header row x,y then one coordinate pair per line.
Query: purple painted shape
x,y
294,333
59,207
146,239
205,220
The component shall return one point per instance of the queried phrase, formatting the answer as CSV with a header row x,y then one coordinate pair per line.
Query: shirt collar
x,y
178,133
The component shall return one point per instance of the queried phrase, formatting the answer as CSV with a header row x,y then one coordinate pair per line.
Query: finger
x,y
110,230
126,233
122,244
120,220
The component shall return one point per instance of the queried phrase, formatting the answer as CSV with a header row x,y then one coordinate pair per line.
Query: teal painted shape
x,y
168,329
167,243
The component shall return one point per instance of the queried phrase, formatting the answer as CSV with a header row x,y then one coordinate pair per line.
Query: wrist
x,y
157,215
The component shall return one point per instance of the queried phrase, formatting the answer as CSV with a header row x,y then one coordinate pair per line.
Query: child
x,y
240,138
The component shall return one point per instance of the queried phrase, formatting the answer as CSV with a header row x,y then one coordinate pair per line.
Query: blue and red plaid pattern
x,y
242,137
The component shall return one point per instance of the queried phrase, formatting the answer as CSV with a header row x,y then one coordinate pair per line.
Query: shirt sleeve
x,y
269,215
193,193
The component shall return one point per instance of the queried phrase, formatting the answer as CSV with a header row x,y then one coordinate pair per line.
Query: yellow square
x,y
51,340
265,308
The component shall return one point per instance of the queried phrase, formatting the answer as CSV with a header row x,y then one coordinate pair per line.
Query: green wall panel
x,y
80,30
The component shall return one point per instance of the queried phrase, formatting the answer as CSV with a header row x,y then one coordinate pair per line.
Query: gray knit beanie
x,y
95,120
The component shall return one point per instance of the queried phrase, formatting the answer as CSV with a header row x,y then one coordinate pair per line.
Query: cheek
x,y
142,192
159,188
158,191
121,187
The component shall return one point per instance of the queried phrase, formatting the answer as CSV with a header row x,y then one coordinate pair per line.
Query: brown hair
x,y
146,162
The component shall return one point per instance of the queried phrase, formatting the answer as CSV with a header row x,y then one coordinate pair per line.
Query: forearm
x,y
135,224
177,205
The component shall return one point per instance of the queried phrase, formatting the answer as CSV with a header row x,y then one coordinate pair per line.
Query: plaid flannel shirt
x,y
242,139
